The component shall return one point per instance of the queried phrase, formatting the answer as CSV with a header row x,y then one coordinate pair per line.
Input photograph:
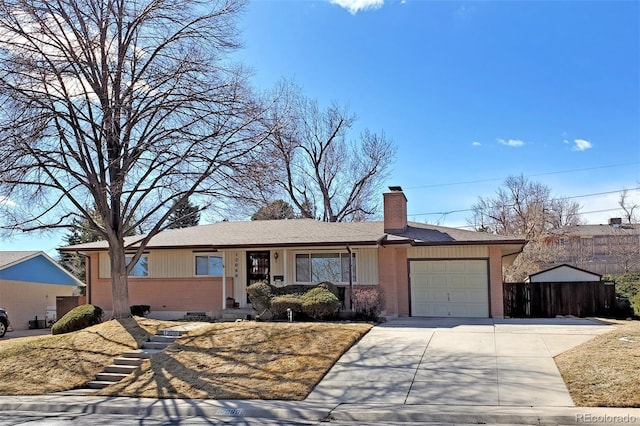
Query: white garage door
x,y
449,288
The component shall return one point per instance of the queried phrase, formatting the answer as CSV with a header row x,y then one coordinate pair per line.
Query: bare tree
x,y
313,162
525,209
628,206
128,106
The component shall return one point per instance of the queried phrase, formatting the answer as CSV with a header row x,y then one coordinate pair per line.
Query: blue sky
x,y
469,91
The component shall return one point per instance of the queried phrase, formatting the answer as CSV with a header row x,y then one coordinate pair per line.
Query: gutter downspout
x,y
350,278
224,281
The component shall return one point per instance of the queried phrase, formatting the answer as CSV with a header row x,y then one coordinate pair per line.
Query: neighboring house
x,y
423,270
605,249
563,273
30,281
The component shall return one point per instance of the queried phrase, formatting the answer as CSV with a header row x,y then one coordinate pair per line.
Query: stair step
x,y
98,384
120,369
154,345
110,377
121,360
164,339
170,333
137,353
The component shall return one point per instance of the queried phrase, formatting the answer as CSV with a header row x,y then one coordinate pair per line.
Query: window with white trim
x,y
209,265
142,266
317,267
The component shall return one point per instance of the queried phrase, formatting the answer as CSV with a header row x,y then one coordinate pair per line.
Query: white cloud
x,y
581,145
512,142
475,143
6,201
354,6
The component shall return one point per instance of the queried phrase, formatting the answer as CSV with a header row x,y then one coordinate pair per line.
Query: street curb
x,y
168,408
321,411
485,414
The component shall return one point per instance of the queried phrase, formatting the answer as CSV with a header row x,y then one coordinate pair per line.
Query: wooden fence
x,y
550,299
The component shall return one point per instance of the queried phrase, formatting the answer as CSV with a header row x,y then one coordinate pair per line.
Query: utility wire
x,y
531,175
595,194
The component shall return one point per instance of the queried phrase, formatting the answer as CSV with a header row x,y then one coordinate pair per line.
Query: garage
x,y
449,288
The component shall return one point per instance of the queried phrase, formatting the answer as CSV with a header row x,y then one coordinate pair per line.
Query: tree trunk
x,y
119,280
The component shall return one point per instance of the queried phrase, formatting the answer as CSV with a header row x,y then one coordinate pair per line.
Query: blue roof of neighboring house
x,y
34,266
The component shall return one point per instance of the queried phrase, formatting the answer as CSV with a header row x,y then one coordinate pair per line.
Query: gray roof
x,y
304,232
598,230
11,257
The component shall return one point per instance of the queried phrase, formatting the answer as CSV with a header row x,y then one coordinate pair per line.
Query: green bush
x,y
636,304
80,317
368,302
294,290
319,303
627,285
279,305
260,295
331,287
140,310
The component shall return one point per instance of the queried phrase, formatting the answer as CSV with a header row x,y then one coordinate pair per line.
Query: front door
x,y
258,263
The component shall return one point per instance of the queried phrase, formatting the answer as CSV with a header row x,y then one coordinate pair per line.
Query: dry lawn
x,y
604,371
222,361
244,360
43,364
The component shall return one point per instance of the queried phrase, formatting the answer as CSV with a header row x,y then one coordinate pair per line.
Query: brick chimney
x,y
395,210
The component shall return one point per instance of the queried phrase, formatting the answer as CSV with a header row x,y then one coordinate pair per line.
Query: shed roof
x,y
566,265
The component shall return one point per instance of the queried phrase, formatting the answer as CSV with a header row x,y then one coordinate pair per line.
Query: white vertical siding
x,y
367,266
564,274
448,252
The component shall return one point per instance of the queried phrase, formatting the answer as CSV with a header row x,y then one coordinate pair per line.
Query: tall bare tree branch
x,y
129,107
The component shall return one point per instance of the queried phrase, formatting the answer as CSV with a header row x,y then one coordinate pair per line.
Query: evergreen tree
x,y
187,214
278,209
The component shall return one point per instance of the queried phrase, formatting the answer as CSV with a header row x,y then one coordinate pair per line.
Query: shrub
x,y
140,310
636,304
80,317
294,289
331,287
368,303
319,303
260,295
279,305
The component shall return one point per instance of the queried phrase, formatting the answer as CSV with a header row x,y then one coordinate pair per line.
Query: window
x,y
142,267
209,265
316,267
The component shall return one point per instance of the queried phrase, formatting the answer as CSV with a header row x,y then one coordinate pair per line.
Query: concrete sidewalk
x,y
476,362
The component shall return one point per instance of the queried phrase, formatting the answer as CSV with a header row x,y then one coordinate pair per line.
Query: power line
x,y
531,175
589,212
594,194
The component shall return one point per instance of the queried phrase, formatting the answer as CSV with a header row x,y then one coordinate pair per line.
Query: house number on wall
x,y
235,265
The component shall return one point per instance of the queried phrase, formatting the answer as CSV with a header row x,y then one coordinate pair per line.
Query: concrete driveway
x,y
457,362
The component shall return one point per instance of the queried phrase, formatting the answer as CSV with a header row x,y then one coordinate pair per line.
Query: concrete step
x,y
137,353
120,369
164,339
170,333
98,384
121,360
110,377
155,345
